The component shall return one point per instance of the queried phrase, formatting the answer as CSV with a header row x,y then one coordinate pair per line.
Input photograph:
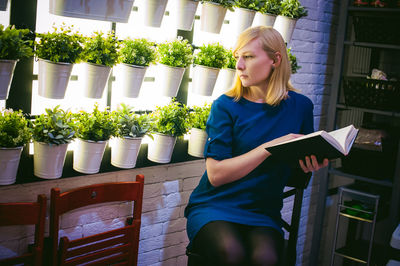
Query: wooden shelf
x,y
374,9
339,172
342,213
373,45
367,110
356,251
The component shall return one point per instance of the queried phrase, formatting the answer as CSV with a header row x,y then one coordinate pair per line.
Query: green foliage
x,y
101,49
293,61
198,117
14,131
211,55
54,127
175,53
139,52
292,9
95,126
130,124
171,119
230,60
61,45
271,7
14,43
255,5
225,3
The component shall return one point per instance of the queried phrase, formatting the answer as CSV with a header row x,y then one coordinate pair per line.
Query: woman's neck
x,y
256,94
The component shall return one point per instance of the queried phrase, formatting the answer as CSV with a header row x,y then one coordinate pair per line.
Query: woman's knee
x,y
265,257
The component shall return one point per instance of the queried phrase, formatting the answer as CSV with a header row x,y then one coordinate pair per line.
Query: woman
x,y
233,215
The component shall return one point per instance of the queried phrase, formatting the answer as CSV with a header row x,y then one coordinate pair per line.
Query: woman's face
x,y
253,64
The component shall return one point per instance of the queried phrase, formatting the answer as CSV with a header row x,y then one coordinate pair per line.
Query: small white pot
x,y
95,78
48,160
185,13
160,149
154,12
264,19
197,141
131,79
9,161
212,17
88,156
6,74
169,79
204,79
285,26
226,78
243,19
124,152
53,78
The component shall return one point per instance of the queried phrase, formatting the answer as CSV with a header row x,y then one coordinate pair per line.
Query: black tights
x,y
224,243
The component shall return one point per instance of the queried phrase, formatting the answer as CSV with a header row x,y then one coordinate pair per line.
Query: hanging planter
x,y
169,80
154,12
212,17
95,79
261,19
226,77
109,10
48,160
160,148
197,141
9,162
53,79
204,79
243,19
124,152
7,68
88,156
285,26
132,79
267,13
185,14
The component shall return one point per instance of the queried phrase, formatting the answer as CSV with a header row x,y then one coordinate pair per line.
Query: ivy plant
x,y
56,126
225,3
249,4
171,119
61,45
198,116
15,43
211,55
230,60
175,53
293,61
271,7
14,130
292,9
101,49
130,124
139,52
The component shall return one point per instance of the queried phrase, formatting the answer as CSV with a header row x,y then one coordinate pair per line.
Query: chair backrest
x,y
114,246
26,213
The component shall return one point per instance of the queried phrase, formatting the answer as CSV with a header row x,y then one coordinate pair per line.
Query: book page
x,y
342,137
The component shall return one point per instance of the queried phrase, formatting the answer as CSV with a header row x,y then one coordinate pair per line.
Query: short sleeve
x,y
308,120
219,129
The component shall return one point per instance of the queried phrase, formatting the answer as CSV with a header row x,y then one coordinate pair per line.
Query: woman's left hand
x,y
311,164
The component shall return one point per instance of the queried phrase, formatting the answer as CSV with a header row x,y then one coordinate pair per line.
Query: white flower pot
x,y
185,13
243,19
160,149
264,19
109,10
197,141
204,79
169,79
88,156
6,74
95,78
212,17
285,26
131,79
53,78
124,152
226,78
154,12
48,160
9,161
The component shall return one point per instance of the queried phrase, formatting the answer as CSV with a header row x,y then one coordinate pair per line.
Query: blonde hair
x,y
278,81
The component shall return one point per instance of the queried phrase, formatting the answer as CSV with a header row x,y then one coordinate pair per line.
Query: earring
x,y
272,67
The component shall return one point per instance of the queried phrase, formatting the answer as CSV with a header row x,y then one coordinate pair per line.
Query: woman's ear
x,y
277,60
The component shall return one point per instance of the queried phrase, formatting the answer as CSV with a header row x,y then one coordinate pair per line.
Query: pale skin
x,y
254,67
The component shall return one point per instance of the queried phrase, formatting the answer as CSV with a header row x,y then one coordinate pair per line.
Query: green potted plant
x,y
57,52
169,122
93,130
173,57
184,13
293,61
154,12
131,128
267,13
197,123
208,61
135,57
100,54
14,134
51,132
245,10
14,45
213,14
290,12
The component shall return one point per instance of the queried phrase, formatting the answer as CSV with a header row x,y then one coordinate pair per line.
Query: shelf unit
x,y
346,43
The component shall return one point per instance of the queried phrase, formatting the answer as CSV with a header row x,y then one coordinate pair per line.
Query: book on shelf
x,y
322,144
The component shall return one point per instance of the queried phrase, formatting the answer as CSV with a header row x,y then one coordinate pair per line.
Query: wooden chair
x,y
118,246
26,213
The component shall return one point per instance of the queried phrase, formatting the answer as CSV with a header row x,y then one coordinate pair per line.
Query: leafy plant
x,y
211,55
61,45
14,43
230,60
130,124
271,7
225,3
293,61
95,126
14,130
101,49
171,119
249,4
175,53
292,9
139,52
199,115
56,126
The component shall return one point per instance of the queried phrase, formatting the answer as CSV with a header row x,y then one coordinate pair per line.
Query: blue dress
x,y
235,128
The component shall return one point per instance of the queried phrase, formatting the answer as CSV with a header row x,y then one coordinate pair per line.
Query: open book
x,y
322,144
